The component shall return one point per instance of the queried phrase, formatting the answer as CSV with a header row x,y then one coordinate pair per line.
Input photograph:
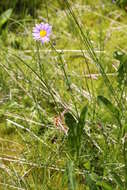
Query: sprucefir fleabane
x,y
42,32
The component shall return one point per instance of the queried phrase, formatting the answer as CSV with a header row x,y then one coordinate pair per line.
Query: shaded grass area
x,y
34,152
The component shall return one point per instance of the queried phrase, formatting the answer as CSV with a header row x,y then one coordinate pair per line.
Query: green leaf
x,y
110,106
87,165
79,129
69,120
118,55
4,17
81,122
75,131
118,180
124,130
105,185
71,177
83,116
121,3
72,132
122,69
90,182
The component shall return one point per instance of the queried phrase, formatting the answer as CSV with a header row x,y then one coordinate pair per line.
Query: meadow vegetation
x,y
63,117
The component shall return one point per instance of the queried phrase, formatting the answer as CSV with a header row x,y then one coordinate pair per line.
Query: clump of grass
x,y
21,8
122,3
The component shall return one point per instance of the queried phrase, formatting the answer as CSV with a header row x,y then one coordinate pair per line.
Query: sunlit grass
x,y
35,153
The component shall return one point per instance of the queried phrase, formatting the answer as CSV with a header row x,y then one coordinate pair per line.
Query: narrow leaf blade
x,y
4,17
110,106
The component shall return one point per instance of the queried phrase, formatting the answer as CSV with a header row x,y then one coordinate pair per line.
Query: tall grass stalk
x,y
88,45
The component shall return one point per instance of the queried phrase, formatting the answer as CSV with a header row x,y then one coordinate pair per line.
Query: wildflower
x,y
41,32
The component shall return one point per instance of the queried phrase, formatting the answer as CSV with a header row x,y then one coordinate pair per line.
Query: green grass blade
x,y
118,180
112,108
83,116
105,185
71,179
4,17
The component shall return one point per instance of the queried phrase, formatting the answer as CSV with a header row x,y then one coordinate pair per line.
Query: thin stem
x,y
67,80
43,83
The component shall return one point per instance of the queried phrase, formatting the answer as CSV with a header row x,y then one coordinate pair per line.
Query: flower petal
x,y
38,28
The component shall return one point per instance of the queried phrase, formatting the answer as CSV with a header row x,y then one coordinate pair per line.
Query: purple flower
x,y
41,32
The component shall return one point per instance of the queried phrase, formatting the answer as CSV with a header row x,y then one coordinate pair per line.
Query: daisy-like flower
x,y
42,32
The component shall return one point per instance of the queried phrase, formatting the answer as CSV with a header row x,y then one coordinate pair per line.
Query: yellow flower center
x,y
43,33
